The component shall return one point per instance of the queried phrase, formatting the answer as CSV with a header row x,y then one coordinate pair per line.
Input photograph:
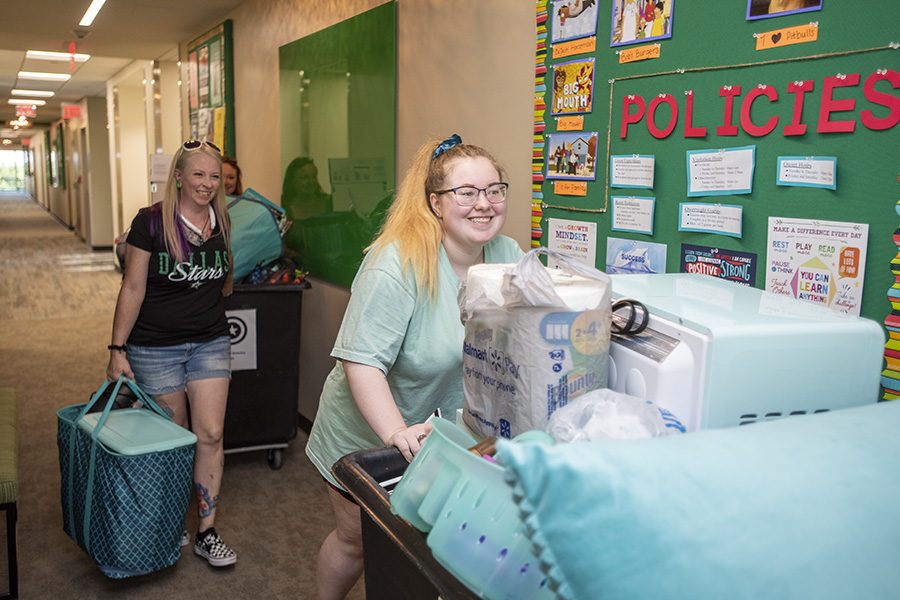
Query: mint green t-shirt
x,y
416,343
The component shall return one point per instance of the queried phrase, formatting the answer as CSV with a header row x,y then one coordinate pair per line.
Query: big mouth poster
x,y
573,87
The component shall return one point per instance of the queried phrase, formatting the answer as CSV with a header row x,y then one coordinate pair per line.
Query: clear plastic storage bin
x,y
474,528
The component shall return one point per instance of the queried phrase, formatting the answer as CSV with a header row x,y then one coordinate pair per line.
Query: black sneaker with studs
x,y
211,547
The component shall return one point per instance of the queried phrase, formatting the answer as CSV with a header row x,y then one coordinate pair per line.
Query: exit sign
x,y
71,111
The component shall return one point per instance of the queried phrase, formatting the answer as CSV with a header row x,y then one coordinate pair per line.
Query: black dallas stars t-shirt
x,y
183,302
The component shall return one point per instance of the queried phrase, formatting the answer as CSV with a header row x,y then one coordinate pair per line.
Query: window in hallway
x,y
12,170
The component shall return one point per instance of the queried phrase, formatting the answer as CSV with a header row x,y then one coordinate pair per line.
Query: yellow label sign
x,y
786,37
575,47
570,188
591,332
570,124
640,53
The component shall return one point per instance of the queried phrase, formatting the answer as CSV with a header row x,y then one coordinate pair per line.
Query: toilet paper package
x,y
535,339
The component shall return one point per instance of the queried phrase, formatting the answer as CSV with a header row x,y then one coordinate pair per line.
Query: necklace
x,y
198,235
204,231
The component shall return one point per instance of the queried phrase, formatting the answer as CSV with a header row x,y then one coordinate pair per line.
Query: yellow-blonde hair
x,y
411,224
173,233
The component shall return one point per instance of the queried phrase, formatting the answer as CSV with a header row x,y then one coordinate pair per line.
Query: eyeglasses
x,y
467,195
194,144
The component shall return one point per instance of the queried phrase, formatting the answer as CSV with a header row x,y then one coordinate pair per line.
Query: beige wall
x,y
58,197
98,185
464,66
130,126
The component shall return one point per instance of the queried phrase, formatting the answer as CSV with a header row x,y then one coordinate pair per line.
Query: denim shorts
x,y
165,369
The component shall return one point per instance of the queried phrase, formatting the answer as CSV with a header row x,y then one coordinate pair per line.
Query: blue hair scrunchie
x,y
453,140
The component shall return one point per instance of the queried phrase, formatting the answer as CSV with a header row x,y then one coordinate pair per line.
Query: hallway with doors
x,y
57,297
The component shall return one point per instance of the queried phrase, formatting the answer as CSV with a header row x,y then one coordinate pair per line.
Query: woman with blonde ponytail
x,y
399,349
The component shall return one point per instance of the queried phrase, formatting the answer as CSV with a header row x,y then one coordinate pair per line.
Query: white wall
x,y
464,66
57,197
169,138
128,142
98,183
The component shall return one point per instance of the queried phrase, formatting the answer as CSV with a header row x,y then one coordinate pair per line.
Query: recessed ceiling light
x,y
26,102
91,12
35,93
44,76
41,55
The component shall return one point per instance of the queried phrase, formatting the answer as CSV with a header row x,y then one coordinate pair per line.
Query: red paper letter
x,y
651,113
829,105
628,118
798,88
690,131
729,93
746,123
876,97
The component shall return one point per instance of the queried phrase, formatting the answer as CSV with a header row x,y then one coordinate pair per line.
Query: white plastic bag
x,y
609,415
535,338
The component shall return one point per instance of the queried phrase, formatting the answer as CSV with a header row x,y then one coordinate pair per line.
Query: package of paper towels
x,y
535,338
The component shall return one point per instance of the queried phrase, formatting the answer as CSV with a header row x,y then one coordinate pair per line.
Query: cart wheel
x,y
275,457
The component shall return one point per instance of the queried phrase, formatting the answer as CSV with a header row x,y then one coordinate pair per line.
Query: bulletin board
x,y
59,176
50,159
812,89
337,98
210,77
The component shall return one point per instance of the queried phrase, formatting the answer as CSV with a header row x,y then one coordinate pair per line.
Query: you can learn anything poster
x,y
822,262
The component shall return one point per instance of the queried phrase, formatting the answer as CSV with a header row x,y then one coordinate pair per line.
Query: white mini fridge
x,y
720,354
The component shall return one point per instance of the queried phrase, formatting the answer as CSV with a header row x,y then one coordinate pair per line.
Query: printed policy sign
x,y
634,257
731,265
822,262
575,239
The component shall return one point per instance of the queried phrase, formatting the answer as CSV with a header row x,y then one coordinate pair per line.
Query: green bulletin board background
x,y
714,45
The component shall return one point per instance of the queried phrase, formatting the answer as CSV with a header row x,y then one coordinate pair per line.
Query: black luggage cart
x,y
399,564
262,414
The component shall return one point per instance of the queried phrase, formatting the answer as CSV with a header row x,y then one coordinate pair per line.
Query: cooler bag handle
x,y
141,395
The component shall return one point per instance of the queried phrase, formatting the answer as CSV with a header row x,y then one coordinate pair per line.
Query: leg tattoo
x,y
206,504
164,406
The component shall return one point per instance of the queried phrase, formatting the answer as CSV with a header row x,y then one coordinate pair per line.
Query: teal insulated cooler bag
x,y
256,230
125,483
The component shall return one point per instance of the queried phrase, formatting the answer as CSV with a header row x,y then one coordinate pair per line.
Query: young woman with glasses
x,y
399,349
169,332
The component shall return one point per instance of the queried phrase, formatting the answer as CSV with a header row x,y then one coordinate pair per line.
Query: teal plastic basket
x,y
427,481
474,528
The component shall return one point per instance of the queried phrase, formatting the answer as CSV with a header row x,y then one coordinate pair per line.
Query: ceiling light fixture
x,y
44,76
26,101
35,93
42,55
92,11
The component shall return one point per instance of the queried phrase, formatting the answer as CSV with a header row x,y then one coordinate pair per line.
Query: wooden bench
x,y
9,480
